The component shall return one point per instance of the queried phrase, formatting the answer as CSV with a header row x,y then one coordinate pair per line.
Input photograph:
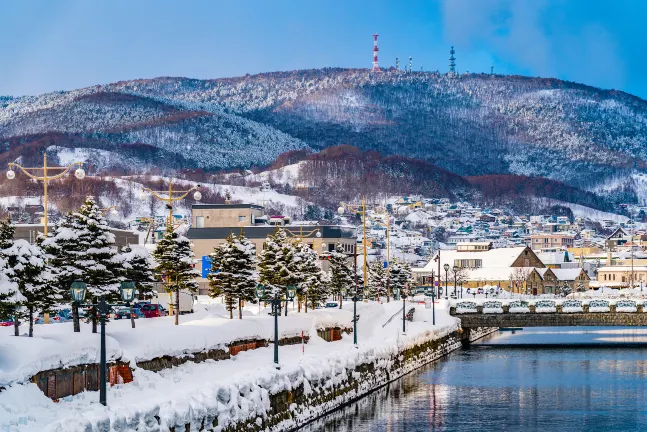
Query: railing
x,y
394,315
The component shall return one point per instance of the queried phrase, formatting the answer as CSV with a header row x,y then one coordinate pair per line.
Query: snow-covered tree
x,y
138,267
565,289
233,273
376,280
278,266
400,276
341,272
82,247
309,274
176,265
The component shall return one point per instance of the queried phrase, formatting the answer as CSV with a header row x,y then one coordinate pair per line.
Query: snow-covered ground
x,y
172,393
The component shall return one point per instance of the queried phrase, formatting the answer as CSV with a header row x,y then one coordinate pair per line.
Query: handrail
x,y
394,315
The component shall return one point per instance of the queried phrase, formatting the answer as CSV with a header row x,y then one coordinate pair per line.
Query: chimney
x,y
609,259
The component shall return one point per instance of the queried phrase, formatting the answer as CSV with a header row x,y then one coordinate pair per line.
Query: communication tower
x,y
376,65
452,61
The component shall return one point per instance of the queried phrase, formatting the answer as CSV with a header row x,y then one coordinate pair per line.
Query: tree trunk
x,y
341,298
305,303
16,331
94,316
240,309
177,305
132,316
75,317
31,321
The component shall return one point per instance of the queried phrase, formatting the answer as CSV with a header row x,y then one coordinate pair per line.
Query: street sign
x,y
206,265
436,283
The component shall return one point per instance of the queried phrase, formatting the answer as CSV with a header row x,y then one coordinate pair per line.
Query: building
x,y
213,223
30,233
482,265
551,280
620,276
542,241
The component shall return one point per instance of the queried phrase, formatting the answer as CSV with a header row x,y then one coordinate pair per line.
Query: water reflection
x,y
508,383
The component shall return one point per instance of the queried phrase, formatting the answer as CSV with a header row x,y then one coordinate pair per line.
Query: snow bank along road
x,y
245,391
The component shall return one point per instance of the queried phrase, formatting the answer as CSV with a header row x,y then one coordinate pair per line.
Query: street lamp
x,y
45,178
455,270
276,305
171,196
430,292
446,267
77,290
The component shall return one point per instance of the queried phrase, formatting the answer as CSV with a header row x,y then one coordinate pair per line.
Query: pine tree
x,y
221,278
400,276
376,280
245,276
176,265
309,275
341,273
270,264
138,267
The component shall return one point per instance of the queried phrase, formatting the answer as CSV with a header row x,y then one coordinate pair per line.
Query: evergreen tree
x,y
278,268
341,273
376,280
221,278
309,275
176,265
138,267
400,276
245,276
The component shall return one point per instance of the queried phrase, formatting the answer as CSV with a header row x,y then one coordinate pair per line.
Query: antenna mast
x,y
376,65
452,61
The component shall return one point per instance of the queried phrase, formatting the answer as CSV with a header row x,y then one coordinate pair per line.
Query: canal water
x,y
540,379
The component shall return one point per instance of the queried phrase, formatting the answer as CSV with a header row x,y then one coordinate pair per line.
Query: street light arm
x,y
170,198
45,178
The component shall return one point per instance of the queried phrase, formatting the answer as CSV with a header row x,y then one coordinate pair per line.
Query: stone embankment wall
x,y
291,409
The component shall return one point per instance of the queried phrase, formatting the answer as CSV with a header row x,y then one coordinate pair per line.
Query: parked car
x,y
7,323
124,313
332,304
153,310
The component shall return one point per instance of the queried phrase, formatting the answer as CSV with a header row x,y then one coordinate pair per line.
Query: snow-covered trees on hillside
x,y
233,272
176,265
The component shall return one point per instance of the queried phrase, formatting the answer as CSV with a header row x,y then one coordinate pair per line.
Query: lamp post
x,y
358,209
46,178
403,296
78,290
446,267
112,210
276,305
455,271
432,294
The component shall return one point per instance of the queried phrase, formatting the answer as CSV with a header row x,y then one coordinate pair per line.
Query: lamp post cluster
x,y
403,296
276,307
127,290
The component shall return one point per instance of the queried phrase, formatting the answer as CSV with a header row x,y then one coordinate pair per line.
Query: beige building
x,y
620,276
30,233
212,223
551,241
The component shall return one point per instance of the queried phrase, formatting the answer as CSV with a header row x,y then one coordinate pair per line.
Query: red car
x,y
153,310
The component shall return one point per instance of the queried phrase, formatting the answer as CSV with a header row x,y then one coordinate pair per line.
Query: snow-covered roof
x,y
567,274
493,258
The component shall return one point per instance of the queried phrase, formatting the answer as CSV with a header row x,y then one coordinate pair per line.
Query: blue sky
x,y
66,44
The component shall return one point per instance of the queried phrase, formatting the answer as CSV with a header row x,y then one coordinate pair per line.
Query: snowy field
x,y
174,393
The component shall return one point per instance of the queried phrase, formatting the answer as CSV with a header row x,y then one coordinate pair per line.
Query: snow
x,y
232,389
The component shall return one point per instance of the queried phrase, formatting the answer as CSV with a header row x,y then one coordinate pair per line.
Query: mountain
x,y
469,125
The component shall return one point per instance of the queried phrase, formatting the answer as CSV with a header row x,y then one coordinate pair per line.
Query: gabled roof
x,y
493,258
618,233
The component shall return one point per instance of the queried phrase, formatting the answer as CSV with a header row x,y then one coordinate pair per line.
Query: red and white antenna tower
x,y
376,65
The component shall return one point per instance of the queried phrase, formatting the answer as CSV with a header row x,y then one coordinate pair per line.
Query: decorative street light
x,y
455,270
78,289
171,196
446,267
276,306
430,292
112,210
45,178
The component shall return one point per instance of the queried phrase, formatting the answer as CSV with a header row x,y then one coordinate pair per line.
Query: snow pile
x,y
518,306
492,307
545,306
465,307
599,306
626,306
572,306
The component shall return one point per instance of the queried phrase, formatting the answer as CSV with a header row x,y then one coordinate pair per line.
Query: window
x,y
199,221
242,218
331,247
